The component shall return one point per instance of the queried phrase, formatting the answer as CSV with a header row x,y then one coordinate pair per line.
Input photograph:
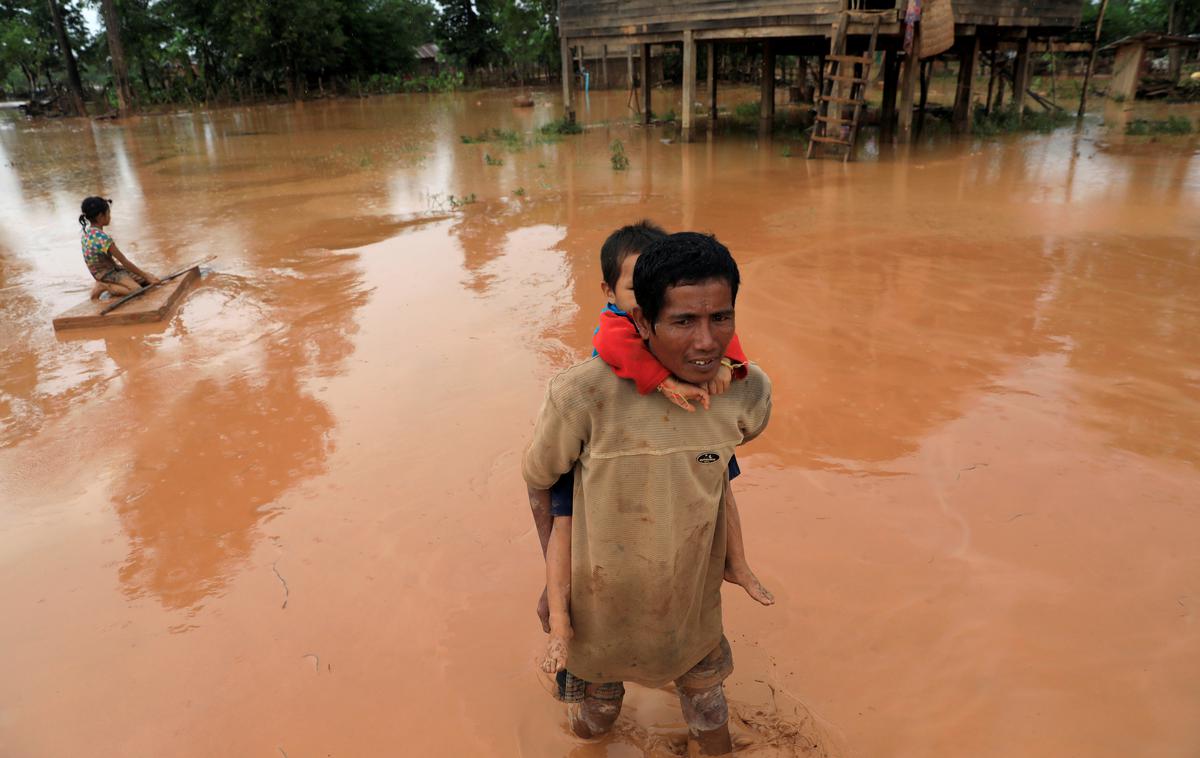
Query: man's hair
x,y
624,242
681,258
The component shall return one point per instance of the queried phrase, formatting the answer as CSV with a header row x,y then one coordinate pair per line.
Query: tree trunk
x,y
116,51
74,85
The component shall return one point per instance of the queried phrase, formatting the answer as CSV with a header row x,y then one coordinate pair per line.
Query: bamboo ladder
x,y
841,70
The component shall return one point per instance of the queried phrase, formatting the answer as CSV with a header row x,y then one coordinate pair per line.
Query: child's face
x,y
622,296
104,219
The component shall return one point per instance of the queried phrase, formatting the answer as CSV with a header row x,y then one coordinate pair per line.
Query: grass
x,y
560,127
488,159
618,158
1172,125
506,137
1005,121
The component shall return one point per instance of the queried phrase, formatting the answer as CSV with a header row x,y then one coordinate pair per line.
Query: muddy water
x,y
290,521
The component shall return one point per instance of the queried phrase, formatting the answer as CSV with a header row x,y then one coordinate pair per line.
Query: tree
x,y
116,51
74,85
467,34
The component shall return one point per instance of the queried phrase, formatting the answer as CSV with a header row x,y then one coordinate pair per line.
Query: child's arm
x,y
116,253
558,587
618,344
737,568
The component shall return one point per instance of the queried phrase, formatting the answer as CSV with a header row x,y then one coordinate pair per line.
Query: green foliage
x,y
1126,17
458,202
786,152
618,158
669,116
559,127
1005,121
489,160
506,137
519,192
747,112
1171,125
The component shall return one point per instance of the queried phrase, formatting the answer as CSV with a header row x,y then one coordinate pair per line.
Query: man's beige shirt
x,y
648,528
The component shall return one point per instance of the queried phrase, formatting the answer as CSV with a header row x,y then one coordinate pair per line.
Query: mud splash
x,y
290,520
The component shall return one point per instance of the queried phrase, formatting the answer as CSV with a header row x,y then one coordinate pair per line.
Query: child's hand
x,y
719,383
681,392
556,648
151,280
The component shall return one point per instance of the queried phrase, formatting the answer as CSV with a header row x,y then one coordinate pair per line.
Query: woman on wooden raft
x,y
99,250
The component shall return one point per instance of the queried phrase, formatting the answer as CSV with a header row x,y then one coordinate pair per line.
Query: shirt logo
x,y
708,458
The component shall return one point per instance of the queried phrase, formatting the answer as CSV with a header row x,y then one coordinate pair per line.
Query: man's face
x,y
622,296
693,329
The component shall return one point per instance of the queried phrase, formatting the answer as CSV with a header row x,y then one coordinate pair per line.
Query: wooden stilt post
x,y
1087,74
568,81
646,115
887,109
964,105
689,84
629,65
604,66
766,110
712,83
991,79
1021,78
926,73
908,88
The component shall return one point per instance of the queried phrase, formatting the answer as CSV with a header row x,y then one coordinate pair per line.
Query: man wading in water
x,y
637,594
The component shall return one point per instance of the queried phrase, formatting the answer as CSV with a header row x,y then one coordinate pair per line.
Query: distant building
x,y
427,59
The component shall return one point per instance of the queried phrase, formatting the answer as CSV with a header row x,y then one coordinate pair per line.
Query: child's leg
x,y
558,591
120,283
737,567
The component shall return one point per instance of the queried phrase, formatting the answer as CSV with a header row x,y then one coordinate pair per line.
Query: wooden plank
x,y
646,69
830,140
155,305
1127,71
848,58
842,100
568,80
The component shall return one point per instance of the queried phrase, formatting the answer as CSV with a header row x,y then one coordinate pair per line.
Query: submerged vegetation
x,y
1006,121
1171,125
618,158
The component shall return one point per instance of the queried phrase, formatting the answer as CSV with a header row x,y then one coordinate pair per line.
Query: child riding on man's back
x,y
617,343
99,250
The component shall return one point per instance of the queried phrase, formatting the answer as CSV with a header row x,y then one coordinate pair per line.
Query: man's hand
x,y
543,611
680,393
719,383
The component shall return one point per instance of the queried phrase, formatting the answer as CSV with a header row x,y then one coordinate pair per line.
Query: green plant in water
x,y
1172,125
787,151
488,159
458,202
561,126
620,161
519,192
669,116
745,112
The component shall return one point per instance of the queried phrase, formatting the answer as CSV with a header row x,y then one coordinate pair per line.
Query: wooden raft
x,y
155,305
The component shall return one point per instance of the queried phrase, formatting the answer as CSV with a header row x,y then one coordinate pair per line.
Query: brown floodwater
x,y
290,520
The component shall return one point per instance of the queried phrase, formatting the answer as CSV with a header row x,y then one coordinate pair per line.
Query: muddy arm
x,y
128,264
